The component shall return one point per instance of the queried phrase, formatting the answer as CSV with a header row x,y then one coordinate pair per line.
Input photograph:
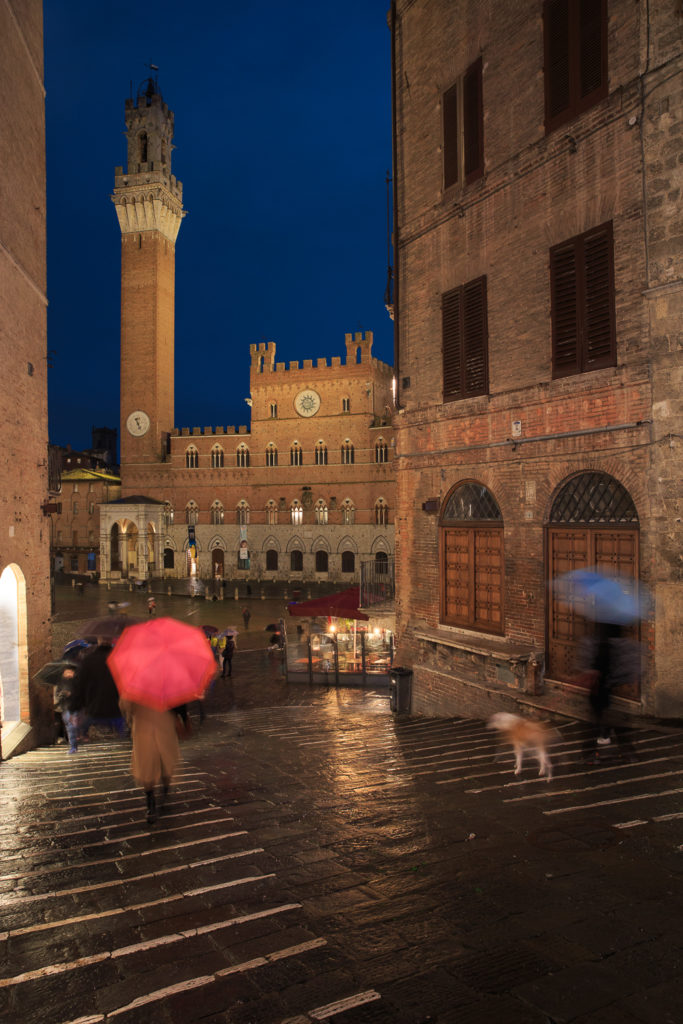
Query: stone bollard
x,y
169,591
263,594
237,593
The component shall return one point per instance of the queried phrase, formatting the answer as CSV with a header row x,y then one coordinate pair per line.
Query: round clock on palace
x,y
307,402
137,423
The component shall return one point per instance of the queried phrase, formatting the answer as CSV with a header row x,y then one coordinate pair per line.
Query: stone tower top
x,y
149,127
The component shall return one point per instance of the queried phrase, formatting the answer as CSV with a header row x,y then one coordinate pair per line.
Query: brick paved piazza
x,y
322,859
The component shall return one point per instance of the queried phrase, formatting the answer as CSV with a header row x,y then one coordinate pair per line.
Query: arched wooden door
x,y
593,523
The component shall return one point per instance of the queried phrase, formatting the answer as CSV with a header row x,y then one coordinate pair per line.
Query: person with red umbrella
x,y
158,665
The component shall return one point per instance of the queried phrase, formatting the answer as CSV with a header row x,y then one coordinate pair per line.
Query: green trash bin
x,y
400,687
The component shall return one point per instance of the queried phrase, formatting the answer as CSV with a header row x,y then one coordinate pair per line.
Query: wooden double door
x,y
608,549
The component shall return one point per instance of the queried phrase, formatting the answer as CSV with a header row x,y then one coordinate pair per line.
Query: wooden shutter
x,y
458,576
473,127
556,33
451,320
564,299
465,341
472,577
475,338
598,348
451,156
592,38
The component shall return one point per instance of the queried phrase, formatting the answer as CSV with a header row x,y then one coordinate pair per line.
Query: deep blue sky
x,y
283,141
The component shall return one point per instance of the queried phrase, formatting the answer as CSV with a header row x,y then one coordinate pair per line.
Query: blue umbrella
x,y
602,598
74,647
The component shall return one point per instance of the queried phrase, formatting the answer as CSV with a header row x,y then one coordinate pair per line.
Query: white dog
x,y
525,734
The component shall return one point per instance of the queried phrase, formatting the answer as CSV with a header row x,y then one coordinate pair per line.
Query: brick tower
x,y
148,202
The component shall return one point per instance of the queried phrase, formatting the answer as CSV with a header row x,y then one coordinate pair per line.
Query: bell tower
x,y
149,206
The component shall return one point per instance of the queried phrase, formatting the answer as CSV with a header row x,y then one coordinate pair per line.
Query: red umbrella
x,y
343,605
162,663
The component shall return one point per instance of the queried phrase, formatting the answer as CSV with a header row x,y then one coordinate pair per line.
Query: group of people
x,y
86,697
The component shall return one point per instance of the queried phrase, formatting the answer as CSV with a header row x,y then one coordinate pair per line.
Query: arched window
x,y
273,410
471,559
348,561
242,456
271,560
297,513
271,455
271,513
217,457
320,512
296,561
381,451
381,512
217,513
169,558
295,454
381,563
347,453
191,457
321,454
348,512
321,561
242,513
169,513
346,405
593,524
192,513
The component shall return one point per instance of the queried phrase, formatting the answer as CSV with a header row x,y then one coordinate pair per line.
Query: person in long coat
x,y
155,751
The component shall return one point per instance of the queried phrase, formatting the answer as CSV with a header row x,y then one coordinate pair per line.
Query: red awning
x,y
343,605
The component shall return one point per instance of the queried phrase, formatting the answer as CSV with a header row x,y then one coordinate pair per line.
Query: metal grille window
x,y
191,457
271,455
465,341
575,38
295,455
582,300
320,454
593,498
471,559
463,128
242,456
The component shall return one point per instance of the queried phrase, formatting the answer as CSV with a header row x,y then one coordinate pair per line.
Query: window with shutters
x,y
582,303
471,559
575,38
465,341
463,129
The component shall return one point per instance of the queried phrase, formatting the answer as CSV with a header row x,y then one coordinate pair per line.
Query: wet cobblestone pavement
x,y
321,859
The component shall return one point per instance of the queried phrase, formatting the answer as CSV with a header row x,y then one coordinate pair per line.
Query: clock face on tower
x,y
137,423
307,402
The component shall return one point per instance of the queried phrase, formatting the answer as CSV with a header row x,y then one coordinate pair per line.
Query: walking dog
x,y
525,734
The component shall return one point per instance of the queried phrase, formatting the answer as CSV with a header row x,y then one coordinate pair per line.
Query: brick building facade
x,y
76,528
305,493
538,236
25,709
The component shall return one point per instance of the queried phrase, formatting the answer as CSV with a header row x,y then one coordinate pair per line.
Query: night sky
x,y
283,143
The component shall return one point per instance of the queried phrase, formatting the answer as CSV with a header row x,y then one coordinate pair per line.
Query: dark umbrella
x,y
51,673
210,630
272,627
108,628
